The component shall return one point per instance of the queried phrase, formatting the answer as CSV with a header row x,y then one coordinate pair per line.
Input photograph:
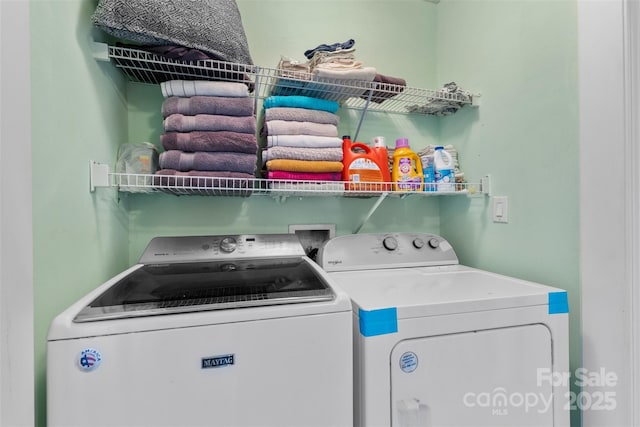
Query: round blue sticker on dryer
x,y
89,359
408,362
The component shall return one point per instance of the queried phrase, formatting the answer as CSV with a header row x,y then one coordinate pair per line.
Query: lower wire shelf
x,y
244,187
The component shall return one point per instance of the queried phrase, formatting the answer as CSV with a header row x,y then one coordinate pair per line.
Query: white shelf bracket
x,y
485,185
98,175
476,99
100,51
375,206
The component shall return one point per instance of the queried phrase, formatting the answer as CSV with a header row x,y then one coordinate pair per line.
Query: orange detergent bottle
x,y
407,169
365,168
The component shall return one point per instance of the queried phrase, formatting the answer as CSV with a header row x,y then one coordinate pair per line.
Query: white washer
x,y
441,344
215,330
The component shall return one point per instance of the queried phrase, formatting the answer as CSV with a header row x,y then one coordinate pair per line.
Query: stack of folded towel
x,y
337,61
209,131
302,142
328,63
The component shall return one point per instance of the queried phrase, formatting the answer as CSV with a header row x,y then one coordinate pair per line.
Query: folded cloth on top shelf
x,y
210,122
203,161
304,165
307,102
288,67
341,56
202,87
288,127
311,141
339,64
211,26
300,115
217,105
329,48
180,53
364,73
324,82
298,153
305,176
204,179
164,63
210,141
453,98
291,76
387,88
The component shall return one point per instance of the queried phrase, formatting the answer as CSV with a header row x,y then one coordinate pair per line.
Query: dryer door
x,y
496,377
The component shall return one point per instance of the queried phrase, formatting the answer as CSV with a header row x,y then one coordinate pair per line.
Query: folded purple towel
x,y
216,105
388,87
210,141
210,122
201,161
301,115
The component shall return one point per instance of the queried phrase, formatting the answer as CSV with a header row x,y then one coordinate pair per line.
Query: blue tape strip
x,y
378,322
558,302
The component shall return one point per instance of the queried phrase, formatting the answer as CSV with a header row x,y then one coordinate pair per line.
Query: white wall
x,y
606,193
16,264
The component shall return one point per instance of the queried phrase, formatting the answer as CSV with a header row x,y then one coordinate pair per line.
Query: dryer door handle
x,y
412,413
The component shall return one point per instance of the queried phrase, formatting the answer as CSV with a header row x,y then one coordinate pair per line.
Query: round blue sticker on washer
x,y
89,359
408,362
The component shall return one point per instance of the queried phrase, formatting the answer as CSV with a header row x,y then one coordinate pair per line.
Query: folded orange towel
x,y
303,165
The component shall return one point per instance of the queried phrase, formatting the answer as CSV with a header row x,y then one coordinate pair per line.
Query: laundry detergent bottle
x,y
363,166
444,170
406,174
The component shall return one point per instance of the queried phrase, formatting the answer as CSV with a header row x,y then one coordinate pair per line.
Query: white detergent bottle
x,y
444,170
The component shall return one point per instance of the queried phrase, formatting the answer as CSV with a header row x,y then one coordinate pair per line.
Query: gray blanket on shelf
x,y
213,26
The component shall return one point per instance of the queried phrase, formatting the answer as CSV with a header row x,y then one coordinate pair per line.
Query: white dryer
x,y
441,344
206,331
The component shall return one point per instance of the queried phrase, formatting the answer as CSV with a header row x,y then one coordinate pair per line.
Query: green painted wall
x,y
525,130
79,113
522,55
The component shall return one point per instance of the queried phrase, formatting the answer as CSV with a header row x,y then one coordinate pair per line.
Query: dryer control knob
x,y
390,243
418,243
228,244
434,243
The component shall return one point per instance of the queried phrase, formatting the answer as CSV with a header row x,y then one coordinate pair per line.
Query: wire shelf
x,y
244,187
145,67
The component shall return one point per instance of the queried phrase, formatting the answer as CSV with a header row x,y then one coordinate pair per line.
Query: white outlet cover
x,y
501,209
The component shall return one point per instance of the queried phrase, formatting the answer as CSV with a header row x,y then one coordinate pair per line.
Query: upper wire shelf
x,y
145,67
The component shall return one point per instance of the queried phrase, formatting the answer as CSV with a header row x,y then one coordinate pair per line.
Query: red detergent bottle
x,y
365,168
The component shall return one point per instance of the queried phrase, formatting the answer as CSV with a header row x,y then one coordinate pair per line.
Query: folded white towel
x,y
364,73
303,141
205,88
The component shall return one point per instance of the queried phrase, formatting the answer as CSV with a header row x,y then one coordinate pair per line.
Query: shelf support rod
x,y
364,111
375,206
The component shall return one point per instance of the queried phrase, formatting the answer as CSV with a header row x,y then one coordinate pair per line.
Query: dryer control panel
x,y
385,250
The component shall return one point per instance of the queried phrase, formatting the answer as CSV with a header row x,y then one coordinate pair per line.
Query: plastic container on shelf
x,y
365,168
429,171
444,170
407,172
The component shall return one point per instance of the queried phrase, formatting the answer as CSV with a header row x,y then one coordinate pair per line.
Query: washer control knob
x,y
390,243
434,243
228,244
418,243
